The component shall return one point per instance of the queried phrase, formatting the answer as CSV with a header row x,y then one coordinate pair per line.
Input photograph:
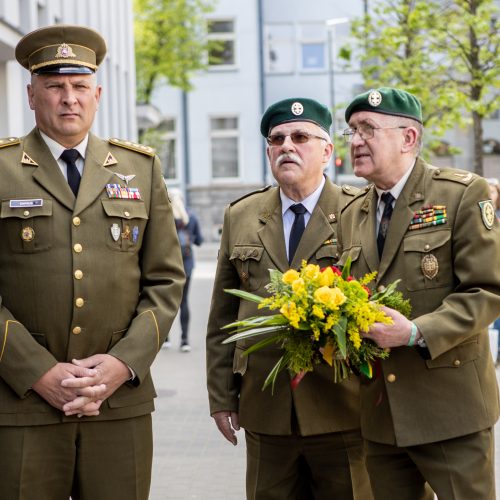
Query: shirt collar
x,y
56,149
398,187
309,202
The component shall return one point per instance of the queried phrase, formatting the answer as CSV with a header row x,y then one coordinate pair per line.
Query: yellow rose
x,y
311,272
290,276
326,277
331,297
298,286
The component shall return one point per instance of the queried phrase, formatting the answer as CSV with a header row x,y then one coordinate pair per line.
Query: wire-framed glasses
x,y
365,131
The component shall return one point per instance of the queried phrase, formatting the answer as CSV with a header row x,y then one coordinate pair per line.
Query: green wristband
x,y
413,335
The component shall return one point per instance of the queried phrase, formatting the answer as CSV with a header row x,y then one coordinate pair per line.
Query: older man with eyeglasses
x,y
427,417
303,443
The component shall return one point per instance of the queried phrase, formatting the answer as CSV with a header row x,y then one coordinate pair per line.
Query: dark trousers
x,y
185,312
89,460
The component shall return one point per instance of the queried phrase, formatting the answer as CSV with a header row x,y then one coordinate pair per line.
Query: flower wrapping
x,y
321,314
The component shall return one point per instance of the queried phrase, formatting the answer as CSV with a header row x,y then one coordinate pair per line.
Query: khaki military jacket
x,y
252,243
79,277
451,274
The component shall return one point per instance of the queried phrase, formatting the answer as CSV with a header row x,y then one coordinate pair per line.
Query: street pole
x,y
330,27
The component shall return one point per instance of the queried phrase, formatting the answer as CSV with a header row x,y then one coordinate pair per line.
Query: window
x,y
313,55
221,44
224,140
168,156
279,48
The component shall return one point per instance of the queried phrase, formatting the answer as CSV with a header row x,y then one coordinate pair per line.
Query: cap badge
x,y
64,51
297,108
375,98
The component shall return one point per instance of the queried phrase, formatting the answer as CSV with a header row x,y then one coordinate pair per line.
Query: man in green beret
x,y
427,415
91,281
303,443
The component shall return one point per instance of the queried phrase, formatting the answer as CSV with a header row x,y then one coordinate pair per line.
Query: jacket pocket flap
x,y
25,212
426,242
456,357
247,252
353,253
125,209
327,251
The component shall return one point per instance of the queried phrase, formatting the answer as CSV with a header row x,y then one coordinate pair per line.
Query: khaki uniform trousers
x,y
323,467
101,460
456,469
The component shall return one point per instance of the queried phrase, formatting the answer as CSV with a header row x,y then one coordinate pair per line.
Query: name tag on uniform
x,y
35,202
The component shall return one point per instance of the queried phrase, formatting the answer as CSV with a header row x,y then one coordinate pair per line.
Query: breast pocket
x,y
29,229
428,260
327,255
352,253
246,259
127,220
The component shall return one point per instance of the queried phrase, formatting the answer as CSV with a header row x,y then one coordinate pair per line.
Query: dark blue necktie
x,y
297,229
70,156
387,198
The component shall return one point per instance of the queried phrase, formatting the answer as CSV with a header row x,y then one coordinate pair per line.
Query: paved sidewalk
x,y
191,458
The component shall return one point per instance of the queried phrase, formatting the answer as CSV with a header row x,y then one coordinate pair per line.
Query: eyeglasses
x,y
365,131
297,138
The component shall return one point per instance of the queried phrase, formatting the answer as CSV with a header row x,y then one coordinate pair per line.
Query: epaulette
x,y
139,148
9,141
350,190
262,190
453,174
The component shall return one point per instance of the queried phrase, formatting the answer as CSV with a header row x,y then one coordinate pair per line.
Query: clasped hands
x,y
80,387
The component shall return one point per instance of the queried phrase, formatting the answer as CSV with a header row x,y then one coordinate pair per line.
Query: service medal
x,y
28,233
429,266
115,231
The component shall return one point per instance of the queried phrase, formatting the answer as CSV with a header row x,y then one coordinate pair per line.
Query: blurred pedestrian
x,y
188,231
88,288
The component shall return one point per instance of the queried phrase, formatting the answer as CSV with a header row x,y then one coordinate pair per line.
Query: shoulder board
x,y
139,148
350,190
453,174
262,190
9,141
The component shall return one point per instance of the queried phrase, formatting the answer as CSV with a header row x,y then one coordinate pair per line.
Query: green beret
x,y
298,109
61,48
387,101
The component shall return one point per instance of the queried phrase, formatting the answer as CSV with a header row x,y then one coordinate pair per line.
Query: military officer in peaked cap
x,y
90,284
303,443
428,415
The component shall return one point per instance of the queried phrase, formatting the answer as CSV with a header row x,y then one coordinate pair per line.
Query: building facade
x,y
268,50
113,19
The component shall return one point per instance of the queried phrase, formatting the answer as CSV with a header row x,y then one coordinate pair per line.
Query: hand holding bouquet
x,y
321,315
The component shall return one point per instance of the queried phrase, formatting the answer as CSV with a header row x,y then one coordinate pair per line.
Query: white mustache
x,y
289,157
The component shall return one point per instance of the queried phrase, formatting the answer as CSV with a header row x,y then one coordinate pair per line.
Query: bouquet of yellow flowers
x,y
321,314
